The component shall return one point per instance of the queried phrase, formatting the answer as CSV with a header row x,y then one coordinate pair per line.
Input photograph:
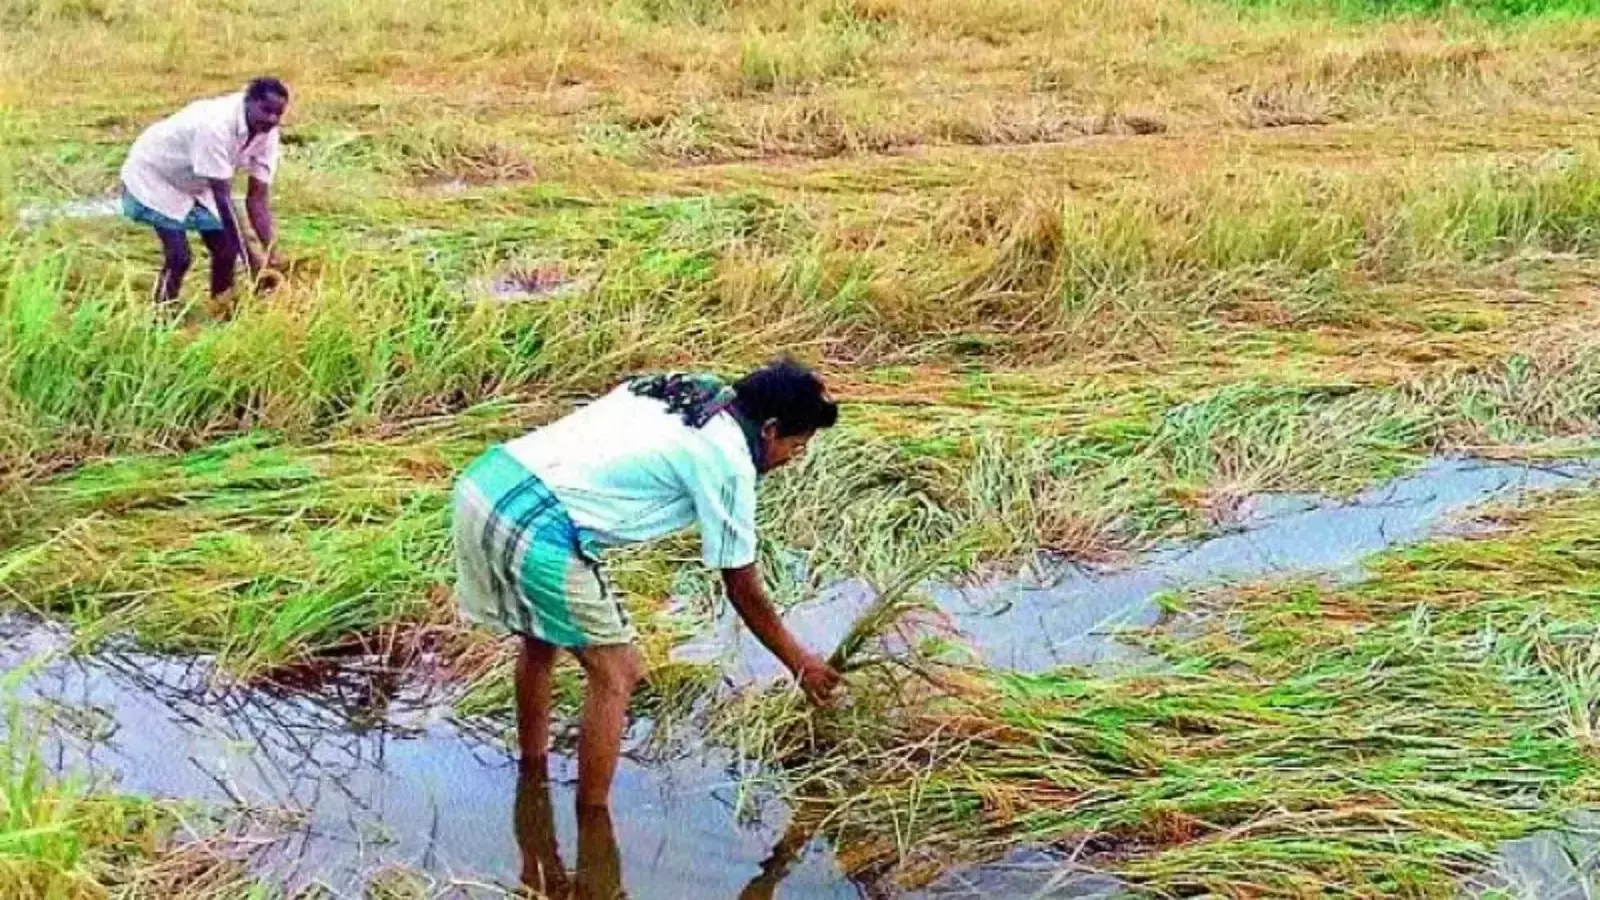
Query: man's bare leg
x,y
613,671
224,252
175,261
535,663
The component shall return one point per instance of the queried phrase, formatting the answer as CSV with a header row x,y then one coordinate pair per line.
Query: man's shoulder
x,y
217,113
728,453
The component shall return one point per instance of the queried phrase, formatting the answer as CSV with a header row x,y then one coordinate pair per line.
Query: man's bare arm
x,y
258,207
749,598
222,192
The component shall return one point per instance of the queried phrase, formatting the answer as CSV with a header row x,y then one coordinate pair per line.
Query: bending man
x,y
653,457
179,178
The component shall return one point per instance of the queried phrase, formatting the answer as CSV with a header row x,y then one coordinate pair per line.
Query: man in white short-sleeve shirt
x,y
660,454
179,178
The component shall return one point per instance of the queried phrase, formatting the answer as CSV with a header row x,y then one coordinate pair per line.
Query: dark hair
x,y
789,393
266,86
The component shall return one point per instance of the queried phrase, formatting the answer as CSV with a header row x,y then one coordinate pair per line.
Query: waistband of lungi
x,y
521,500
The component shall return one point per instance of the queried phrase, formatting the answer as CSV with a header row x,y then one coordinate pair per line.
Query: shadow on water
x,y
379,776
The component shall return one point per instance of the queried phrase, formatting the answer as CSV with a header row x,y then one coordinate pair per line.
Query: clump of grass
x,y
257,555
695,12
446,153
1528,397
891,604
60,839
793,63
41,13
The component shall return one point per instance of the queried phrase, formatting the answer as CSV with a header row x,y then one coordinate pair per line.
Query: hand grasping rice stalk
x,y
894,602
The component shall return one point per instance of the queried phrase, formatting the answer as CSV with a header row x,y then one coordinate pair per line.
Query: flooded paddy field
x,y
376,772
1219,396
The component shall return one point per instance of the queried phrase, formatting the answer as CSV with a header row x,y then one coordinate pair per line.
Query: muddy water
x,y
395,786
1068,616
383,779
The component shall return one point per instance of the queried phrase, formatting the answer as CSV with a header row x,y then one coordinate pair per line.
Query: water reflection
x,y
382,776
789,849
598,874
379,776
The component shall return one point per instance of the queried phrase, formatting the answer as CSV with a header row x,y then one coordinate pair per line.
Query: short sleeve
x,y
725,504
262,163
211,155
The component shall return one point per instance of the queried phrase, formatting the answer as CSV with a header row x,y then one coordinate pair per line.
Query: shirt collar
x,y
241,127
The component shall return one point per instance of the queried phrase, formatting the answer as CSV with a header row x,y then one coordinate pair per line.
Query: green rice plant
x,y
82,361
265,554
257,555
1254,437
696,12
891,604
451,151
59,839
1528,398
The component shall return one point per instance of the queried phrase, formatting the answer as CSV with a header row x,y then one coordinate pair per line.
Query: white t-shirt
x,y
168,166
629,471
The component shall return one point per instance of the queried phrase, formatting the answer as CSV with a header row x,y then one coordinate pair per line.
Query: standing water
x,y
400,785
37,214
381,779
1033,624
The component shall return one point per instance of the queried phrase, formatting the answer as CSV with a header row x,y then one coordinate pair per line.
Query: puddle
x,y
35,214
409,788
1030,623
534,283
1550,865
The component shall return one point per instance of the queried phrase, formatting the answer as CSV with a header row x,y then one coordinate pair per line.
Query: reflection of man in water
x,y
599,872
652,457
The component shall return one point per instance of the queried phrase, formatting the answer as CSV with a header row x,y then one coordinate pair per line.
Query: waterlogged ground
x,y
1062,614
1154,296
374,770
362,776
